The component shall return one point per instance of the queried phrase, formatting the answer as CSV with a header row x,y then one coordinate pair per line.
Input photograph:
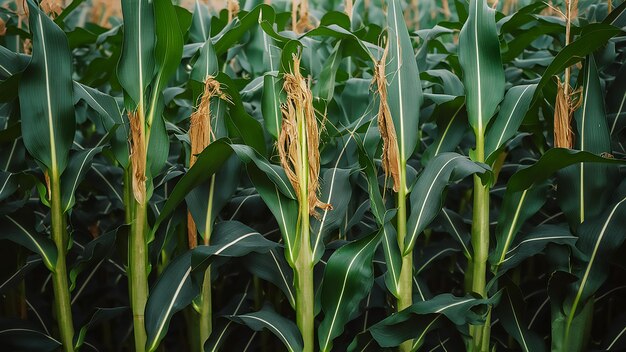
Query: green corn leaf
x,y
19,336
168,49
426,315
404,92
278,325
76,171
94,254
599,238
511,313
222,330
514,108
206,64
451,126
479,55
454,225
109,110
616,101
98,317
550,162
336,191
174,291
176,287
273,94
11,63
517,207
200,23
585,189
595,36
45,94
137,64
393,259
284,209
23,233
434,252
348,277
534,243
272,267
427,197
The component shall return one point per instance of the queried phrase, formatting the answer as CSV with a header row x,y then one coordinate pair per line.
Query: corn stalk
x,y
299,155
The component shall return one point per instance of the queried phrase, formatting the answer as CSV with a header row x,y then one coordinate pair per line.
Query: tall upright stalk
x,y
480,243
405,285
59,276
304,261
137,245
298,145
138,273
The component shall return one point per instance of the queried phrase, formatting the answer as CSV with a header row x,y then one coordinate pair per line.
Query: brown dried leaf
x,y
391,155
298,111
138,157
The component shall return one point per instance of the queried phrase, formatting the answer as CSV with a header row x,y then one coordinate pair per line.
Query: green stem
x,y
304,283
480,243
305,299
405,286
138,274
60,284
129,200
206,310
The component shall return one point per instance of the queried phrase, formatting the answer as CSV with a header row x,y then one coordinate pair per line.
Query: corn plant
x,y
312,175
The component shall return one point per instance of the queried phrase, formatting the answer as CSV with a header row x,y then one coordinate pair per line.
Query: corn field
x,y
323,175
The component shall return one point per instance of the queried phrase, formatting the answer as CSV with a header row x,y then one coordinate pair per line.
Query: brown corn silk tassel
x,y
138,157
52,7
299,106
233,9
300,21
3,28
201,135
348,8
565,103
391,155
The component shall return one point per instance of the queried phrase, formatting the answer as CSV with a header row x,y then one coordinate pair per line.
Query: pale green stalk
x,y
405,285
59,276
305,299
138,257
480,243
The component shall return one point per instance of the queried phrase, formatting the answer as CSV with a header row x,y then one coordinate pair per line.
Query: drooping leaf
x,y
23,233
280,326
401,326
511,312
